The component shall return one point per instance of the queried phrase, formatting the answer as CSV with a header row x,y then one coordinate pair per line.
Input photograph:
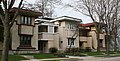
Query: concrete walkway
x,y
75,58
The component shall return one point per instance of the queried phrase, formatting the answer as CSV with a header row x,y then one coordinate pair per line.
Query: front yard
x,y
15,58
42,55
46,56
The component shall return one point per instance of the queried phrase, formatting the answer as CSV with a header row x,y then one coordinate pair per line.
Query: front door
x,y
42,46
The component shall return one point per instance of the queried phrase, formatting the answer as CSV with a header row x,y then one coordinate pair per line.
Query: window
x,y
71,26
50,28
26,20
25,40
59,23
55,29
71,41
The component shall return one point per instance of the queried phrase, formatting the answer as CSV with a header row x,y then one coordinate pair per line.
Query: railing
x,y
70,33
85,39
46,36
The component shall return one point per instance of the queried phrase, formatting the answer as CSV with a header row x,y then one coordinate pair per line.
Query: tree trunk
x,y
98,42
115,43
107,46
6,41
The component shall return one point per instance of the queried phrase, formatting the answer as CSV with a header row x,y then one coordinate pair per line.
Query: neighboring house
x,y
68,32
48,36
57,33
24,32
88,36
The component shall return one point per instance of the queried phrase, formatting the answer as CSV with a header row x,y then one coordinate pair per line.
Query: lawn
x,y
15,58
42,55
102,54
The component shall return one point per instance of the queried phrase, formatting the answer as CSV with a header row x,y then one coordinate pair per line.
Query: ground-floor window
x,y
71,41
25,40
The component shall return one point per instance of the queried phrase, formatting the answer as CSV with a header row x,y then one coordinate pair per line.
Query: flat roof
x,y
66,18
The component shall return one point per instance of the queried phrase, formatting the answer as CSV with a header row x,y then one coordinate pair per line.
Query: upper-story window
x,y
26,20
71,26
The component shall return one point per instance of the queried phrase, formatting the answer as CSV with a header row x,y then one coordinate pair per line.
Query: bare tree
x,y
90,8
100,11
46,7
5,7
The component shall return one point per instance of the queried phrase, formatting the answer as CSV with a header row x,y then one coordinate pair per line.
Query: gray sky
x,y
60,11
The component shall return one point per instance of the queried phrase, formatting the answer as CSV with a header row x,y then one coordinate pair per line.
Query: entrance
x,y
81,44
42,46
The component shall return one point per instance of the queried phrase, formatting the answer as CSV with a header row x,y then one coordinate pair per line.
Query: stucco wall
x,y
15,36
27,30
94,39
56,40
34,39
66,33
89,42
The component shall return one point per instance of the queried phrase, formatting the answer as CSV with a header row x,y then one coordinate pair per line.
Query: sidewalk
x,y
76,58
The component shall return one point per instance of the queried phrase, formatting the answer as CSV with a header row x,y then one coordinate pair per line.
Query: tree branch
x,y
11,4
1,14
16,13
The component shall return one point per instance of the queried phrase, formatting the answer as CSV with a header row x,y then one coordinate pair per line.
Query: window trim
x,y
26,40
26,20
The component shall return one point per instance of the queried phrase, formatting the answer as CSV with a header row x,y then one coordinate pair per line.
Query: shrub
x,y
53,50
88,49
71,50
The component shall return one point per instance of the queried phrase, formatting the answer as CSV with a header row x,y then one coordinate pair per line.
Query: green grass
x,y
42,56
15,58
102,54
94,53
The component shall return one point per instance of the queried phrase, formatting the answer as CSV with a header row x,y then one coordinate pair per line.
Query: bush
x,y
87,49
53,50
71,50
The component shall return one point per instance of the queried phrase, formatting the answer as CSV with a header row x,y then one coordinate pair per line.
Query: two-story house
x,y
68,32
58,33
88,36
48,36
24,32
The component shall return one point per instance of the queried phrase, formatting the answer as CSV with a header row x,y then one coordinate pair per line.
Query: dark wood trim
x,y
25,48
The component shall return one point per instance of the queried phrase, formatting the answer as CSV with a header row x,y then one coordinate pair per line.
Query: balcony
x,y
85,39
47,36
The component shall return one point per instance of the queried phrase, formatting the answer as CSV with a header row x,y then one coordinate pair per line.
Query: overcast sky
x,y
61,11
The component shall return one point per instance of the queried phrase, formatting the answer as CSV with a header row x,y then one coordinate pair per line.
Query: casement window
x,y
26,20
71,26
25,40
50,29
71,41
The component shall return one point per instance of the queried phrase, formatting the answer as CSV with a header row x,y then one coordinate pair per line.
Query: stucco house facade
x,y
57,33
61,31
68,32
48,36
88,36
24,32
41,34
